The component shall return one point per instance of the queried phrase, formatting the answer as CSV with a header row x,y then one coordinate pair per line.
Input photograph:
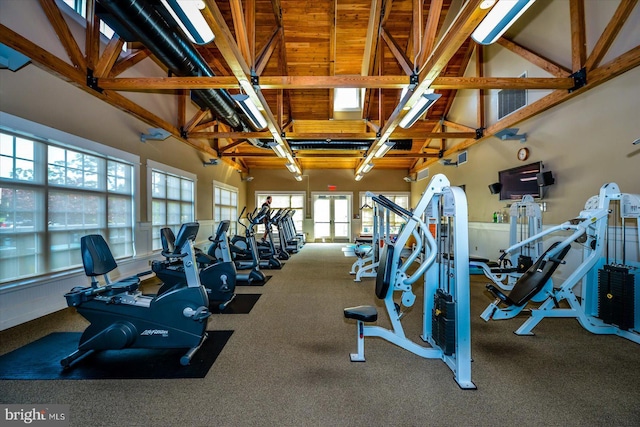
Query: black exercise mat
x,y
241,304
40,360
266,279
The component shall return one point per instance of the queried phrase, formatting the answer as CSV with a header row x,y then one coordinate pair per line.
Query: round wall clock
x,y
523,154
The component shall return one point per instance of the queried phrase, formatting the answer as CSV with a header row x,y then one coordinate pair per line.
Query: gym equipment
x,y
608,303
525,220
218,277
121,317
221,250
369,253
275,219
265,249
446,323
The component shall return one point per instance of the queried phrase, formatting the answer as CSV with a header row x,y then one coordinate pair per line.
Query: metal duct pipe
x,y
169,44
339,144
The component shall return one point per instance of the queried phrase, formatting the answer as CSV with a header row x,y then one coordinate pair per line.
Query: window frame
x,y
260,197
171,171
391,195
43,138
233,222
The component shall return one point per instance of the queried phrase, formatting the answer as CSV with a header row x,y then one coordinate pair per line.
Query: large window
x,y
366,212
293,201
53,194
225,205
172,199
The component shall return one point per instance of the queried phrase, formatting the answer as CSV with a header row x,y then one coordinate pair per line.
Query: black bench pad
x,y
364,313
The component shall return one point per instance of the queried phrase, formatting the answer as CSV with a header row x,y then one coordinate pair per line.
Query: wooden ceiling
x,y
289,55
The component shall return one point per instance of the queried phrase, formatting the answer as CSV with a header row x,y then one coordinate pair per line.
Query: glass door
x,y
332,218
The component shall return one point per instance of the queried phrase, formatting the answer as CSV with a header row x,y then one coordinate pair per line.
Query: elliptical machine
x,y
121,317
244,259
218,277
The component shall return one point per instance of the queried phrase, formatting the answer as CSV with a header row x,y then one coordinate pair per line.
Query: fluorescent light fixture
x,y
188,16
291,167
418,109
499,19
249,108
383,149
298,177
279,150
367,168
289,157
358,177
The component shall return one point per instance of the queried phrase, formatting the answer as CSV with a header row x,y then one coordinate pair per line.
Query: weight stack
x,y
443,322
616,296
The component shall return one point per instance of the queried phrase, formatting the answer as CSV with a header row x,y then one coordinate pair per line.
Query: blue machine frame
x,y
439,200
590,227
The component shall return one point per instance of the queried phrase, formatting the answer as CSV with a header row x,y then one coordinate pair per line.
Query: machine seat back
x,y
168,240
97,258
535,278
187,232
385,267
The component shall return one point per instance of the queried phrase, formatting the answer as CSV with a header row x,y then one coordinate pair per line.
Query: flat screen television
x,y
519,181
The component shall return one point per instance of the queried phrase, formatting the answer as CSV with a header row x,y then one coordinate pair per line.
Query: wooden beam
x,y
416,27
232,55
398,54
459,31
430,32
578,34
109,57
327,155
337,136
536,59
267,51
128,61
610,33
233,145
373,34
54,65
230,135
64,34
480,112
250,25
92,42
600,75
195,120
329,82
242,36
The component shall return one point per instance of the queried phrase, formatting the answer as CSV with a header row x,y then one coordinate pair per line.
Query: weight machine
x,y
609,302
525,220
446,325
369,255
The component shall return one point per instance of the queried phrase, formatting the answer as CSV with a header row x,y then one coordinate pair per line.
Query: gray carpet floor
x,y
287,364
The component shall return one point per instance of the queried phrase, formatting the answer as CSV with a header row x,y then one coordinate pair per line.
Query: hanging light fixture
x,y
188,16
499,19
383,149
418,109
249,108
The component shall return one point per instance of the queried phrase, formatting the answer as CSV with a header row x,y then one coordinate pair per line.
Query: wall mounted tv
x,y
519,181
